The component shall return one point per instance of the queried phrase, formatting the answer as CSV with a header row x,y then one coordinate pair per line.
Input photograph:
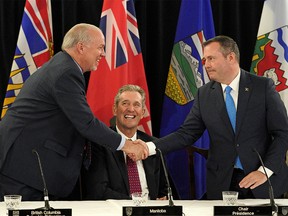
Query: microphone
x,y
170,197
271,193
45,191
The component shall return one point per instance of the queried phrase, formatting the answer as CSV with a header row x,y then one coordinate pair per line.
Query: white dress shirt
x,y
140,167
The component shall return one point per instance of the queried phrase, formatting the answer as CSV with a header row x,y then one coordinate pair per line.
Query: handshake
x,y
136,150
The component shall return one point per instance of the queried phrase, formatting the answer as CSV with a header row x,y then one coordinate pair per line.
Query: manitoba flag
x,y
34,47
270,57
123,63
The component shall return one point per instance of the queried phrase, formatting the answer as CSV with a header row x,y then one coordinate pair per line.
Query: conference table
x,y
114,207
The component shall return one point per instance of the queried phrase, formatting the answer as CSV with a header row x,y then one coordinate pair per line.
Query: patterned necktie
x,y
230,106
133,176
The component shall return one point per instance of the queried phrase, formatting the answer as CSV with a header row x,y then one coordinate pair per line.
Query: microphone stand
x,y
170,197
45,191
271,193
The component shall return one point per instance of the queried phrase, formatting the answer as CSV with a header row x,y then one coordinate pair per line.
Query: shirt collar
x,y
234,84
133,138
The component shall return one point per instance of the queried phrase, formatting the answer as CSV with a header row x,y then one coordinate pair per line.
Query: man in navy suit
x,y
51,116
107,177
261,125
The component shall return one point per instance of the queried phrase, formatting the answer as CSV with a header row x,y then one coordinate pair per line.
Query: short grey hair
x,y
130,88
78,33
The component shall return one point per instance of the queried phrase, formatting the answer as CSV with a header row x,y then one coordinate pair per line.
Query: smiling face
x,y
93,51
85,43
129,111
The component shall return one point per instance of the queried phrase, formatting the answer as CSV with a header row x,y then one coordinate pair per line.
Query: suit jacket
x,y
107,177
51,115
261,124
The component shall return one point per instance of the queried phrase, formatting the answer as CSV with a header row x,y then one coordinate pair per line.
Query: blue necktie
x,y
230,106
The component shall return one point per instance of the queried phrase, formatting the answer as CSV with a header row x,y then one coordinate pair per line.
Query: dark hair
x,y
227,45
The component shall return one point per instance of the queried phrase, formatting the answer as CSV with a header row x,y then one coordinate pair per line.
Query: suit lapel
x,y
121,163
119,157
245,90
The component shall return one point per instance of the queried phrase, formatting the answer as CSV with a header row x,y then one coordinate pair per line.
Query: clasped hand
x,y
136,150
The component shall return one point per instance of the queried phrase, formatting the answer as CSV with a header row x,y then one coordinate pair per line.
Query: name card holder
x,y
242,210
37,212
152,210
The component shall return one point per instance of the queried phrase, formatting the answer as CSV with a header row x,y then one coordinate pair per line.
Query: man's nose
x,y
103,54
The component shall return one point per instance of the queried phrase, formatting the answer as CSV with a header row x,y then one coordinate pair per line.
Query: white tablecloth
x,y
114,207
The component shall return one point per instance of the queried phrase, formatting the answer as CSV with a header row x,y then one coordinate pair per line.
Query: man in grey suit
x,y
51,116
261,125
107,176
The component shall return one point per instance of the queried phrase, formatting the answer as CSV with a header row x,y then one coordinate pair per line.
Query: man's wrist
x,y
122,143
269,172
151,147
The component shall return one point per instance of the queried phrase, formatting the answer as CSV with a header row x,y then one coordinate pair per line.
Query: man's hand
x,y
162,198
253,180
136,150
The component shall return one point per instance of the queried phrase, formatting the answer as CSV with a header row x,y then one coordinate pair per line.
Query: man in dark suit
x,y
107,177
51,116
261,125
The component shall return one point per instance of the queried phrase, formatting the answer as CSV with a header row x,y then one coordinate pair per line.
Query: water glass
x,y
12,201
230,197
139,198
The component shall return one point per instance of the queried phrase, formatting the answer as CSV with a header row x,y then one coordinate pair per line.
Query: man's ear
x,y
143,112
80,47
114,109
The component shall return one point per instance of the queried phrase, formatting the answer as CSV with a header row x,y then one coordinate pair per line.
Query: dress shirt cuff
x,y
122,143
151,147
269,172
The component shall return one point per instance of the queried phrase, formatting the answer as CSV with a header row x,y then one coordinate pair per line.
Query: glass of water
x,y
230,197
12,201
139,198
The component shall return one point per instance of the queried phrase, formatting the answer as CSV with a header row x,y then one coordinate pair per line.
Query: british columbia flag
x,y
123,63
34,47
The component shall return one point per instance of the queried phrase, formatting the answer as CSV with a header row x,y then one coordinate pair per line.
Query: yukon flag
x,y
270,57
186,74
123,63
34,47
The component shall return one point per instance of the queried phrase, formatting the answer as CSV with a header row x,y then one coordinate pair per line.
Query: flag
x,y
270,58
34,47
123,63
186,74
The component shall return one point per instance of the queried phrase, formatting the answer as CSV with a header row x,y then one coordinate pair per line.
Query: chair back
x,y
191,150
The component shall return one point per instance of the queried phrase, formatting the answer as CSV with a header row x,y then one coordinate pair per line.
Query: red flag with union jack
x,y
123,63
34,47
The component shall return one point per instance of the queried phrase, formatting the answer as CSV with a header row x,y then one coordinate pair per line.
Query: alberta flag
x,y
34,47
123,63
186,74
270,57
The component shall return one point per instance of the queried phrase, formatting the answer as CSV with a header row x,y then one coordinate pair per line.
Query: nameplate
x,y
242,210
37,212
152,210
